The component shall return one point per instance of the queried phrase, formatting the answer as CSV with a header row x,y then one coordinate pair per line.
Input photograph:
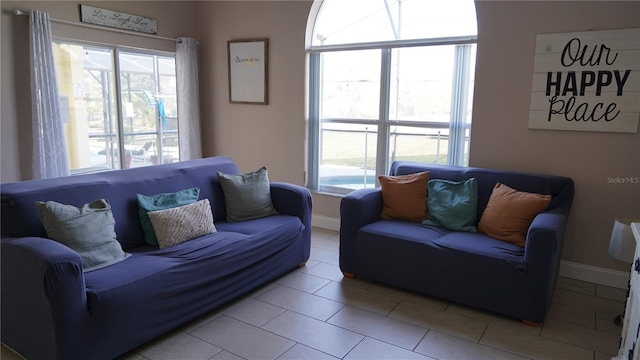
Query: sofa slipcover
x,y
464,267
51,309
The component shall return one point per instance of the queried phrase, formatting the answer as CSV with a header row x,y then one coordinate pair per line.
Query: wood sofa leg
x,y
531,323
302,264
348,275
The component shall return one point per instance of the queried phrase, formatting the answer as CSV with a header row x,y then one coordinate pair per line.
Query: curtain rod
x,y
73,23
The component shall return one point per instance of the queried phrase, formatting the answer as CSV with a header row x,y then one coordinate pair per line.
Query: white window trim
x,y
459,102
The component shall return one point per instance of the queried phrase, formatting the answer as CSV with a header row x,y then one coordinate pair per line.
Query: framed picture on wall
x,y
247,61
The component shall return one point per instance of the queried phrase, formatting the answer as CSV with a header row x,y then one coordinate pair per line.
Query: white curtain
x,y
49,149
188,103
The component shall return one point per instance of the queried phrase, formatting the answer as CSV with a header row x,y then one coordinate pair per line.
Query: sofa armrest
x,y
295,200
544,239
43,295
542,254
291,199
357,209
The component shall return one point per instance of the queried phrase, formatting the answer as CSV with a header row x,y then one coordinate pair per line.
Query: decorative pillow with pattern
x,y
176,225
161,202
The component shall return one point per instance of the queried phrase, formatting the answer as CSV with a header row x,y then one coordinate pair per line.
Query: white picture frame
x,y
248,64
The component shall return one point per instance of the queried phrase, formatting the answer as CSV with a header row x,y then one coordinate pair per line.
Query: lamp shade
x,y
622,245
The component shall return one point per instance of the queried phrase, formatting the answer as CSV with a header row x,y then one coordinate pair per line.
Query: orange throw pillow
x,y
509,213
404,197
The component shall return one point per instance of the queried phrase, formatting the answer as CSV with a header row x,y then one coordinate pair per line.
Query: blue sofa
x,y
464,267
52,310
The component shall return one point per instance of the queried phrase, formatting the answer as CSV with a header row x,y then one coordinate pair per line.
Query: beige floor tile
x,y
330,244
572,315
611,293
323,233
301,302
601,356
129,356
360,298
392,331
310,263
576,285
313,333
535,347
324,256
225,355
587,302
325,271
261,290
605,323
428,301
333,273
443,346
252,311
579,336
299,352
446,322
201,321
8,354
370,349
178,345
494,319
303,281
243,339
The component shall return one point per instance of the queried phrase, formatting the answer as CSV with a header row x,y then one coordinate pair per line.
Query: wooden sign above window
x,y
117,19
587,81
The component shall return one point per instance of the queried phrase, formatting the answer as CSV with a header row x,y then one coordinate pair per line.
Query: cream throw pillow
x,y
179,224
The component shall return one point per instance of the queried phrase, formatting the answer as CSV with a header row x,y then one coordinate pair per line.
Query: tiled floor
x,y
314,313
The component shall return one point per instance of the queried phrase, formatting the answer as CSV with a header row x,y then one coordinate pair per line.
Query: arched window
x,y
388,80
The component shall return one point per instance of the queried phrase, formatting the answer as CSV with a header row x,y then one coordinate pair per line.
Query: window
x,y
388,80
119,107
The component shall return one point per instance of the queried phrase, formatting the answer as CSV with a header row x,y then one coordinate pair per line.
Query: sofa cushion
x,y
161,202
88,230
453,204
193,274
509,213
404,197
179,224
247,196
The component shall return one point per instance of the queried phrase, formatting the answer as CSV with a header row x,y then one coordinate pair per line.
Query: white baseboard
x,y
594,274
325,222
573,270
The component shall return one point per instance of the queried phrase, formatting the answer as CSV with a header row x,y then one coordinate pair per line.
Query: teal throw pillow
x,y
452,205
88,230
247,196
161,202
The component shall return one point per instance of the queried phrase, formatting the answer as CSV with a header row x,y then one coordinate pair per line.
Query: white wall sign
x,y
116,19
587,81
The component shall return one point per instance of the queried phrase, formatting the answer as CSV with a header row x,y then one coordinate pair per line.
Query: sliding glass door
x,y
119,107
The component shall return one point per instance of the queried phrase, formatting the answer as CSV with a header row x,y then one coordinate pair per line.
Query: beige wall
x,y
500,137
275,135
256,135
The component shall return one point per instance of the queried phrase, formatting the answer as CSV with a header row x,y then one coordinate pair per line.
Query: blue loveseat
x,y
469,268
51,309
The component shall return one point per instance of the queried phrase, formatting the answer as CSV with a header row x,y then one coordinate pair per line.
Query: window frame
x,y
457,125
116,51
